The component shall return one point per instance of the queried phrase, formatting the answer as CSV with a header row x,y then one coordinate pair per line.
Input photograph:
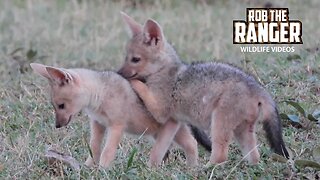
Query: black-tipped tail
x,y
201,137
273,130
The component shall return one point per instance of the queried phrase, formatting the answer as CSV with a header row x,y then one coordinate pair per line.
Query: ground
x,y
91,34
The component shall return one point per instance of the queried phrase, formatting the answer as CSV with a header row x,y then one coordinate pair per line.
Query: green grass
x,y
92,35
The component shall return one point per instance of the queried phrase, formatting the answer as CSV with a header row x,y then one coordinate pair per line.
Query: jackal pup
x,y
111,104
212,96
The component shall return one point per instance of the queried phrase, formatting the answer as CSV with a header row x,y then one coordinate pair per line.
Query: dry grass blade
x,y
54,155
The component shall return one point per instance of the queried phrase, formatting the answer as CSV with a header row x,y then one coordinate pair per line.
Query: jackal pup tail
x,y
201,137
272,126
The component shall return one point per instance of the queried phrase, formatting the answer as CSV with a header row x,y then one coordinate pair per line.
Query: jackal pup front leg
x,y
97,134
169,131
147,97
188,143
114,135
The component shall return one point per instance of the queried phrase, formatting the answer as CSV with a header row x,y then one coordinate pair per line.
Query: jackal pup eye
x,y
135,59
61,106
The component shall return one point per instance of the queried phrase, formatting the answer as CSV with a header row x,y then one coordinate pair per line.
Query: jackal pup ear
x,y
55,75
134,27
152,33
60,76
40,69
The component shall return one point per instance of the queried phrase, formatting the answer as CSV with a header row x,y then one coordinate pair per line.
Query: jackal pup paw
x,y
138,86
89,162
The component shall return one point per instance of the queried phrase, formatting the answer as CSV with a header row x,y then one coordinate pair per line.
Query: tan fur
x,y
112,106
216,97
